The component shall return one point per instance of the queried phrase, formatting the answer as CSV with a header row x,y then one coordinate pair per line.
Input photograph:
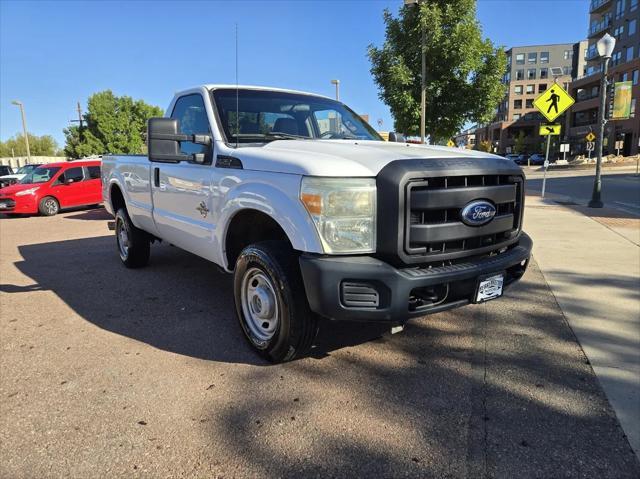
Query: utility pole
x,y
79,120
423,75
24,128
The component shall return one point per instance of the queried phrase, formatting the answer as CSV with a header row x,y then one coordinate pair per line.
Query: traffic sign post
x,y
451,143
564,148
546,165
590,137
590,147
553,102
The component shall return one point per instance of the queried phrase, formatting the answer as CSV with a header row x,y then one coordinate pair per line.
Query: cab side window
x,y
190,112
74,174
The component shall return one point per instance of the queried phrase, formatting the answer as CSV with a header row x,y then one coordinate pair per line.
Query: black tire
x,y
297,325
48,206
135,253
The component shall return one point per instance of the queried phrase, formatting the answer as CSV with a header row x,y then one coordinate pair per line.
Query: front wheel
x,y
133,243
49,206
271,304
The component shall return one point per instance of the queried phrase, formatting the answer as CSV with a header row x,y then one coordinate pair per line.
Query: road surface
x,y
109,372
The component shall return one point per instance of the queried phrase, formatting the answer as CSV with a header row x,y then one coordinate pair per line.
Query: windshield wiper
x,y
270,136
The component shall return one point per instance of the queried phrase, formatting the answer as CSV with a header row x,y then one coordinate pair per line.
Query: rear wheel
x,y
48,206
271,303
133,243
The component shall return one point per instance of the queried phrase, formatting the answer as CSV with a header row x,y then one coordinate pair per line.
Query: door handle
x,y
156,176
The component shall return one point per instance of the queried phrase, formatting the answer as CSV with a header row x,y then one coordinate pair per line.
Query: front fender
x,y
276,195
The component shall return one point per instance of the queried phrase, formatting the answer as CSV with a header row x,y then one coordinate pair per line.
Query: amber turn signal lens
x,y
313,203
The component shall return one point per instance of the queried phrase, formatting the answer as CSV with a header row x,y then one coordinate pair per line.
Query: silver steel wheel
x,y
259,304
50,206
123,239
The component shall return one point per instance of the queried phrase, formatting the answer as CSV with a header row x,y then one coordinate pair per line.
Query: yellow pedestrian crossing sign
x,y
550,130
451,143
553,102
590,136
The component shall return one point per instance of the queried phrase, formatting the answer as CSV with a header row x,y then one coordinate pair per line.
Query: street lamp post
x,y
24,128
605,48
337,84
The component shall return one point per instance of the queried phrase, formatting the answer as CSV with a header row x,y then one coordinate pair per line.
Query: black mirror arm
x,y
198,139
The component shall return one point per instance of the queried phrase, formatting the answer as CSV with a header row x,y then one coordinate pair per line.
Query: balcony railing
x,y
597,5
601,26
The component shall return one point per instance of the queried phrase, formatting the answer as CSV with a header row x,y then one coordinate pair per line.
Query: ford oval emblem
x,y
478,213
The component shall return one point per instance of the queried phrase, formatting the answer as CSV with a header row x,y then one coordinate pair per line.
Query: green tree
x,y
463,80
38,146
519,143
112,124
484,145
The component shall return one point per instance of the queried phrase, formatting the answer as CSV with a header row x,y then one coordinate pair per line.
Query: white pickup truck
x,y
315,215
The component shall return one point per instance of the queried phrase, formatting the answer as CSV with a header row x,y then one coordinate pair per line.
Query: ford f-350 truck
x,y
316,216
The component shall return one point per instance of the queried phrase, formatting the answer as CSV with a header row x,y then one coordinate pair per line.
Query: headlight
x,y
30,191
344,212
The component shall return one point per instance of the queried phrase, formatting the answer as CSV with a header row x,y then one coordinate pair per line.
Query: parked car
x,y
315,215
12,178
5,170
52,187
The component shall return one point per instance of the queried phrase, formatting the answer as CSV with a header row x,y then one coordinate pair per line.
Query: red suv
x,y
54,186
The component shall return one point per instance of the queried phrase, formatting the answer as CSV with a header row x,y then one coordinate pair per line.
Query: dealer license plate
x,y
490,287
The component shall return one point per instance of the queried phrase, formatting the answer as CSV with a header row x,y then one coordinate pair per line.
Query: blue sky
x,y
54,53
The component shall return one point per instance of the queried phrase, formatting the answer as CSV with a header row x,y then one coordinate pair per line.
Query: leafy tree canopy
x,y
112,124
463,79
38,146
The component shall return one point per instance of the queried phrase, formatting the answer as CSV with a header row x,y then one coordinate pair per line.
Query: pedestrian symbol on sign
x,y
553,98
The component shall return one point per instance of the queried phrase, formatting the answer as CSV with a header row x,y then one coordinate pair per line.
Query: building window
x,y
518,88
531,89
520,59
517,104
615,58
516,116
619,8
544,57
531,74
529,103
542,87
634,77
623,76
566,70
532,57
633,5
618,31
544,73
519,74
567,54
629,55
632,27
632,112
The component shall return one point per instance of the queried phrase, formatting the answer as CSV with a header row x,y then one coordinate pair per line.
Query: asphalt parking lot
x,y
108,372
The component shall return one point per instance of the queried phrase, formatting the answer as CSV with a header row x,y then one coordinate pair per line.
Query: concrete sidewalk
x,y
591,261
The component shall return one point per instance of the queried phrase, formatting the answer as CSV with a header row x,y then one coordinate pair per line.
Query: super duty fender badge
x,y
477,213
202,208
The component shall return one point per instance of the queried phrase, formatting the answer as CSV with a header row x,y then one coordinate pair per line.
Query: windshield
x,y
26,169
42,174
272,115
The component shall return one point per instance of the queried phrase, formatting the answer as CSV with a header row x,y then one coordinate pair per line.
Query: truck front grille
x,y
434,229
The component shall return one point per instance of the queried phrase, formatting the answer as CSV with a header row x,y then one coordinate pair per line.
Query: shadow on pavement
x,y
496,390
91,215
180,303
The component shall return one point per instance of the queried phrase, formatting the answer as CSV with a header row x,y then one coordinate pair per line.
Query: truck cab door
x,y
182,192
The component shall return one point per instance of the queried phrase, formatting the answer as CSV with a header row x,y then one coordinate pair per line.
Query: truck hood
x,y
340,157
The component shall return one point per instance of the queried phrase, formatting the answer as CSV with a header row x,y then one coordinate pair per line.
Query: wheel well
x,y
117,199
248,227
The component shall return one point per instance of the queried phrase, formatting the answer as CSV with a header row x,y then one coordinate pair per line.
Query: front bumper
x,y
27,204
401,292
